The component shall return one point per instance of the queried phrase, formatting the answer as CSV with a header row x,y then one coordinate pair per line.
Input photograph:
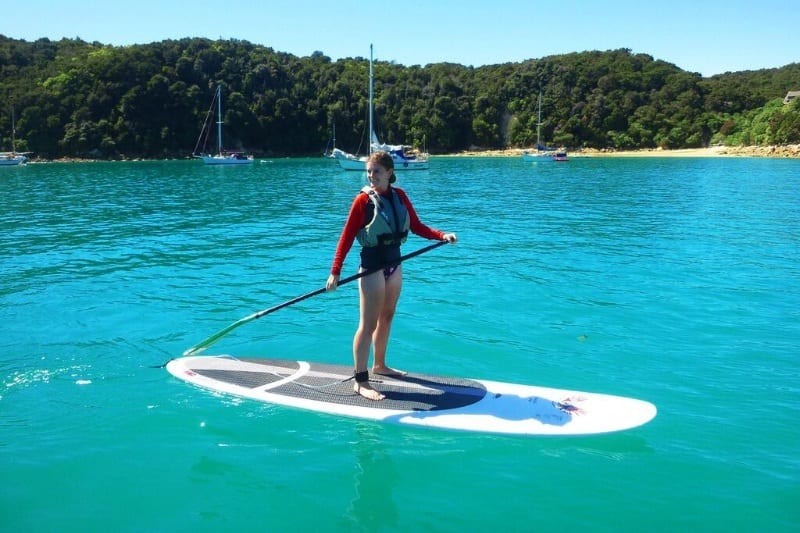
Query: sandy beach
x,y
790,151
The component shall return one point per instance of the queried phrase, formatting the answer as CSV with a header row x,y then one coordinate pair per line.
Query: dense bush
x,y
79,99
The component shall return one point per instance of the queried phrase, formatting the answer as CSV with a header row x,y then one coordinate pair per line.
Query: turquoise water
x,y
671,280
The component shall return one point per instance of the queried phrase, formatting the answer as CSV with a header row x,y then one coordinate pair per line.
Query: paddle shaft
x,y
215,337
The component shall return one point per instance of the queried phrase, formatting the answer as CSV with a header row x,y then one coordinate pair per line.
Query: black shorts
x,y
374,257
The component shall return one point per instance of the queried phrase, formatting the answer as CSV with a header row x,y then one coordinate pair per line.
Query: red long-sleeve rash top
x,y
357,219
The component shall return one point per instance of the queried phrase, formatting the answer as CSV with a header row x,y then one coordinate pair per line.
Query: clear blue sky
x,y
705,36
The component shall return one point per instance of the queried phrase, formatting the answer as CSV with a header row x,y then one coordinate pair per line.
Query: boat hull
x,y
12,160
549,156
226,160
411,164
350,162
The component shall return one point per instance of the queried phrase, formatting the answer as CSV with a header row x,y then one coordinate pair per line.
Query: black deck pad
x,y
334,384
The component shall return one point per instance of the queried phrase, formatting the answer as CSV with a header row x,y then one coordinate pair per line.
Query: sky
x,y
708,37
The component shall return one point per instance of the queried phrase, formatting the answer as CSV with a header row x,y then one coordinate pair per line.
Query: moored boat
x,y
402,159
222,157
13,158
543,153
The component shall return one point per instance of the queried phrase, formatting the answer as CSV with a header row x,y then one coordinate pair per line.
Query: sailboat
x,y
223,157
12,158
542,152
402,161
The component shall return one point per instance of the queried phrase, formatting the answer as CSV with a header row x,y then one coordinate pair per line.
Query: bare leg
x,y
371,291
380,338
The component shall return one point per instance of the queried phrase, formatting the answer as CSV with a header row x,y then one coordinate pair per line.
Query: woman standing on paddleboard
x,y
380,218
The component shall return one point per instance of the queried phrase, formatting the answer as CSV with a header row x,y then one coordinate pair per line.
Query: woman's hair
x,y
385,160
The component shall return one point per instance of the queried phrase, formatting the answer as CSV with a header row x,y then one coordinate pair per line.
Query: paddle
x,y
215,337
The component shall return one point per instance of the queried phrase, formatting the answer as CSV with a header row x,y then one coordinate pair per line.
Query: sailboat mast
x,y
13,131
539,124
219,119
371,130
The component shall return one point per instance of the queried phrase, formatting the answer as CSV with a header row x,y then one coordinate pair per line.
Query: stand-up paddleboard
x,y
417,399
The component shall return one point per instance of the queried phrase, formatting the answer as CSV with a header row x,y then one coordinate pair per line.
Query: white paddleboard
x,y
417,399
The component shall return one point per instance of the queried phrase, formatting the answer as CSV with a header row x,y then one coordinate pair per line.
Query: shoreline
x,y
782,151
789,151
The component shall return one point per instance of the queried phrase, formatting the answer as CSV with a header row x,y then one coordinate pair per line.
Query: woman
x,y
380,217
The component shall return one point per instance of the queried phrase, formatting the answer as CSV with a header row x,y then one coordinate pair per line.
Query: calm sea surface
x,y
676,281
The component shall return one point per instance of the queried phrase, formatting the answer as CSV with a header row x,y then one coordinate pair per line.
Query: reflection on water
x,y
373,507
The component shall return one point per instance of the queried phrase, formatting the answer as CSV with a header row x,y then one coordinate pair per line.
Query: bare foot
x,y
386,371
365,390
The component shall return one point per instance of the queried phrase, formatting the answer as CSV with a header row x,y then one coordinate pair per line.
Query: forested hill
x,y
78,99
